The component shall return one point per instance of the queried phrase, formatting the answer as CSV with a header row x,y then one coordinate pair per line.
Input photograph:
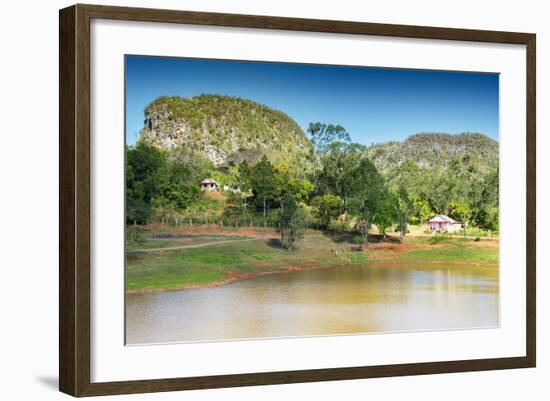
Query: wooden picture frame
x,y
74,204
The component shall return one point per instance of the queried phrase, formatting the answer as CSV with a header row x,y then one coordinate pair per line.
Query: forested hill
x,y
442,173
226,129
435,151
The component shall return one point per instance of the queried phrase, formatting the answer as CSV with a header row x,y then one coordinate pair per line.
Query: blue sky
x,y
374,104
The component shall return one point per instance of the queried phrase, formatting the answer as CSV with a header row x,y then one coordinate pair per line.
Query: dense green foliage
x,y
162,183
334,181
327,208
227,129
451,174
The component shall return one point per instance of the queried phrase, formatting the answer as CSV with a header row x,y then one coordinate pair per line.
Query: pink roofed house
x,y
442,223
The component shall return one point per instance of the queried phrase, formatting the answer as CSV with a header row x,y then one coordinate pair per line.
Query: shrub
x,y
136,234
358,239
337,225
438,238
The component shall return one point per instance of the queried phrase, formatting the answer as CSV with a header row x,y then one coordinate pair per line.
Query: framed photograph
x,y
249,200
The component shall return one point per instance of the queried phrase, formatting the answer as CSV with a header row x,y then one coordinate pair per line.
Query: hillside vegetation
x,y
227,129
442,173
436,151
271,173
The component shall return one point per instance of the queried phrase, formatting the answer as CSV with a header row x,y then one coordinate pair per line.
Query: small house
x,y
209,185
442,223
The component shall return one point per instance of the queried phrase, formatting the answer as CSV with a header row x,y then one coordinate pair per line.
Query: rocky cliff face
x,y
226,129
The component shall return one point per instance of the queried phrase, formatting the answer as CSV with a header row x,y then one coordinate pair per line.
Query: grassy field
x,y
454,252
154,243
250,253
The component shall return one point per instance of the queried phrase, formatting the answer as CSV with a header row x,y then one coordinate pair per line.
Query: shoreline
x,y
235,277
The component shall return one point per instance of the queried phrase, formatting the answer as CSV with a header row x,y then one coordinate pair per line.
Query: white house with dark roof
x,y
442,223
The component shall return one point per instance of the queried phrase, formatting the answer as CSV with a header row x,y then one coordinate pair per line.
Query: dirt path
x,y
175,248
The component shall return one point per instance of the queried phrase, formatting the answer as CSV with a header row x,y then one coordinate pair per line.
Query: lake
x,y
340,300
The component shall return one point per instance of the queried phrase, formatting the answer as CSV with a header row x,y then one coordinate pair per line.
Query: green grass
x,y
201,266
438,238
477,232
196,266
176,269
454,252
182,268
153,243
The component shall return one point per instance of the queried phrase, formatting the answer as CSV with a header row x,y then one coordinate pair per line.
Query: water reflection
x,y
320,302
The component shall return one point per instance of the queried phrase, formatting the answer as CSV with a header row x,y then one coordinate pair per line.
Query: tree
x,y
163,210
287,182
385,212
338,164
234,209
327,208
179,180
369,190
242,179
241,184
404,209
300,188
263,182
144,164
460,210
322,135
485,210
289,225
421,210
137,211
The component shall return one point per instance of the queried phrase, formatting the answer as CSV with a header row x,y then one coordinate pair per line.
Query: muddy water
x,y
320,302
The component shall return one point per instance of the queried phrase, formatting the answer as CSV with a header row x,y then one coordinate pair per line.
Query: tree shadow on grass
x,y
351,238
274,243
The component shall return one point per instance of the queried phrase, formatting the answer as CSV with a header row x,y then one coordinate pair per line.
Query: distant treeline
x,y
340,187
